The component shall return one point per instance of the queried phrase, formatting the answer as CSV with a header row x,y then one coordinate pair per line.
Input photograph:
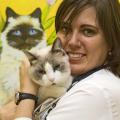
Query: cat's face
x,y
51,68
23,31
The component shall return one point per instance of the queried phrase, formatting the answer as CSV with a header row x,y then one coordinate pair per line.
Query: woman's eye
x,y
89,32
32,32
16,33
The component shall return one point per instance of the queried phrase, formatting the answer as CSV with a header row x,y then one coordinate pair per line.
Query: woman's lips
x,y
75,57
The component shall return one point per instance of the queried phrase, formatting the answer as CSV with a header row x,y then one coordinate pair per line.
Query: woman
x,y
89,31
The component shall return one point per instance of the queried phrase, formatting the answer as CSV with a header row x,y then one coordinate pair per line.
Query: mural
x,y
24,24
24,7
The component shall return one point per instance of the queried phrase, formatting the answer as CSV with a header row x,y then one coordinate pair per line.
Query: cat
x,y
50,69
21,32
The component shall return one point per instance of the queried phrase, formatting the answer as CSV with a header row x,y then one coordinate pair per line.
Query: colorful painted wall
x,y
24,7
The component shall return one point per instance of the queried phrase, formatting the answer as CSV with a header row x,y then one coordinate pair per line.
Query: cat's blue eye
x,y
17,33
32,32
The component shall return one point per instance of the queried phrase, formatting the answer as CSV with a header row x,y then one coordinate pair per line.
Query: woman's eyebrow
x,y
89,26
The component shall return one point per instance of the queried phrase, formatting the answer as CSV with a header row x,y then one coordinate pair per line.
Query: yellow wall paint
x,y
22,7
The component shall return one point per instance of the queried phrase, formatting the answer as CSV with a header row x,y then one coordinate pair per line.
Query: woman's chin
x,y
76,69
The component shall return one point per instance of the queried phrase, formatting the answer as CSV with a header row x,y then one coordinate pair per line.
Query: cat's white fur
x,y
10,60
54,83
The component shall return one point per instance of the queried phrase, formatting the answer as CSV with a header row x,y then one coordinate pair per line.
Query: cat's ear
x,y
31,57
36,13
10,13
57,47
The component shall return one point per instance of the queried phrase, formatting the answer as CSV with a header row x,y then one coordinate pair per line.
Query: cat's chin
x,y
43,84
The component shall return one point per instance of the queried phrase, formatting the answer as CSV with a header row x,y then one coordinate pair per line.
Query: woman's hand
x,y
26,84
7,112
26,107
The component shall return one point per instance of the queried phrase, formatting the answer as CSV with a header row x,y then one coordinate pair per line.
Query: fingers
x,y
24,74
26,84
25,62
24,67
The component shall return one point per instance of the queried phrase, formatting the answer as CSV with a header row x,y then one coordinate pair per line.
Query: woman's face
x,y
84,42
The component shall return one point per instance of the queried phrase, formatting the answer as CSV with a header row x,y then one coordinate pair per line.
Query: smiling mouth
x,y
74,57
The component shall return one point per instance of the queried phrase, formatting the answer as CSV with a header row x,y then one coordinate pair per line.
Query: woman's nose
x,y
74,40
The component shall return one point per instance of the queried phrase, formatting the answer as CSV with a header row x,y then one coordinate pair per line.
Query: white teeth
x,y
75,55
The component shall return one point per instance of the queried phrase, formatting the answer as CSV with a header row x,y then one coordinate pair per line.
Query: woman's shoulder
x,y
101,79
105,78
